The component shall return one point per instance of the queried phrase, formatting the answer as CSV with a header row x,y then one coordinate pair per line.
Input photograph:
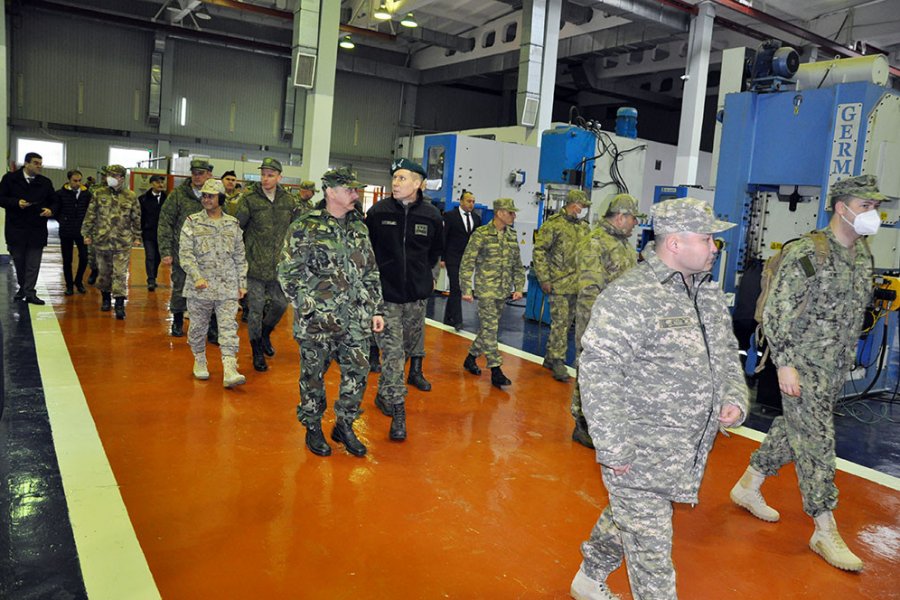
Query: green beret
x,y
405,163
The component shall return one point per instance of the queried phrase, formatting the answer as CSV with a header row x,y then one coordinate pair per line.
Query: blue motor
x,y
771,66
626,122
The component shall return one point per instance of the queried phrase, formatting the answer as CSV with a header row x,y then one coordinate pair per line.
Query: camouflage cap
x,y
308,185
212,186
686,215
861,186
343,177
625,204
115,170
102,169
202,164
505,204
271,163
578,196
405,163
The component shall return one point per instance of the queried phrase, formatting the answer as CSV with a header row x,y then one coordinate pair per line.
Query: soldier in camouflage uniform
x,y
329,273
812,317
602,256
232,193
183,201
492,257
265,210
659,376
555,264
112,226
211,251
307,191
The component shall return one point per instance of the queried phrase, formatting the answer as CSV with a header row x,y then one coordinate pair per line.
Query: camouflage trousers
x,y
403,336
804,435
266,304
352,356
112,267
92,258
485,342
583,308
201,312
640,529
177,303
562,313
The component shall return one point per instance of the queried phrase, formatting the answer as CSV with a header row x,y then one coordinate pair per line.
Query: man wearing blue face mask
x,y
813,317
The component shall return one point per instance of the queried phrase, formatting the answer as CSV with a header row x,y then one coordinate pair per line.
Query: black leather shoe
x,y
315,440
20,296
374,360
581,435
92,278
382,405
267,348
415,374
80,287
69,291
398,422
34,300
120,308
178,324
498,379
343,434
106,303
471,366
151,286
259,359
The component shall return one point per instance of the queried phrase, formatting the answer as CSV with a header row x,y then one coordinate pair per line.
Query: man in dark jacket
x,y
29,200
459,224
73,203
151,202
407,236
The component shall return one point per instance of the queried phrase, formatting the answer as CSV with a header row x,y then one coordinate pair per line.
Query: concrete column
x,y
320,99
537,66
408,97
548,71
699,43
4,119
731,81
166,101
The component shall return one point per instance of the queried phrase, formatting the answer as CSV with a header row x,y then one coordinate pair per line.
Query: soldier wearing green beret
x,y
557,271
492,257
813,316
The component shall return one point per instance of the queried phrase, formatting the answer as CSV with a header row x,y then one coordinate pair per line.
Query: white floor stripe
x,y
112,562
878,477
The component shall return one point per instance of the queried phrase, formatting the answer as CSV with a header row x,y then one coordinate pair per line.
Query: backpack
x,y
756,361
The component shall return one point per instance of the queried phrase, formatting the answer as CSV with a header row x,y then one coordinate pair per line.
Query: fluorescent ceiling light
x,y
347,43
382,13
409,21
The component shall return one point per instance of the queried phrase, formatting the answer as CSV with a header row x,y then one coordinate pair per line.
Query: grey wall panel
x,y
53,56
443,108
366,111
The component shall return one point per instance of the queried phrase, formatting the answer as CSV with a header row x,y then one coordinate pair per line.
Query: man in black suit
x,y
459,224
29,200
151,201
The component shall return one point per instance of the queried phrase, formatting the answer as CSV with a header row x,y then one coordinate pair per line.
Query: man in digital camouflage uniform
x,y
112,226
328,271
211,251
492,257
182,202
659,376
602,257
307,191
812,318
555,264
265,211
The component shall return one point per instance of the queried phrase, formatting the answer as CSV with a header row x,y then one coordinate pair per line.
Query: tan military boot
x,y
746,494
827,543
585,588
231,377
201,371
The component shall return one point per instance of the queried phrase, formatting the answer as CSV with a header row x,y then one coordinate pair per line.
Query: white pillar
x,y
320,99
730,81
4,119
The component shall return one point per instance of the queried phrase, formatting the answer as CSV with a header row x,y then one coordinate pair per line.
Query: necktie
x,y
468,223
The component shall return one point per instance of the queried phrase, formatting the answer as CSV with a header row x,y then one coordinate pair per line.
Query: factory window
x,y
666,85
509,34
488,40
53,154
130,158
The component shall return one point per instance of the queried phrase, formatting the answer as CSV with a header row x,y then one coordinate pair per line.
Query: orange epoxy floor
x,y
488,498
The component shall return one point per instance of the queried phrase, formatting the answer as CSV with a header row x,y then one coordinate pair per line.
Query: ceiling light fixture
x,y
382,13
409,21
347,43
203,13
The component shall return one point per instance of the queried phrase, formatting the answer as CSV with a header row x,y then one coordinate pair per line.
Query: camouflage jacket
x,y
178,205
602,257
555,247
814,322
213,249
113,219
328,271
492,256
659,361
265,224
231,201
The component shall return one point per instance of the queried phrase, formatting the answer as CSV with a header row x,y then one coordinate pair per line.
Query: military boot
x,y
580,433
178,324
374,359
415,374
498,379
746,494
586,588
120,307
471,366
548,363
106,302
826,541
212,332
382,405
560,372
315,439
267,348
259,358
398,422
201,370
343,434
92,278
231,377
